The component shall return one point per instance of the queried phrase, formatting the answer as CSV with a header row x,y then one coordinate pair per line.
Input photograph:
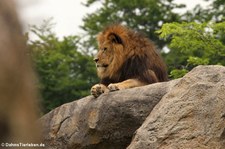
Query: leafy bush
x,y
193,44
65,74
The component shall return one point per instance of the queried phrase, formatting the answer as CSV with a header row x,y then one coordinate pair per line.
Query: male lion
x,y
126,59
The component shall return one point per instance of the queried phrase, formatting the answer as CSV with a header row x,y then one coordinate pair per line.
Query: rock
x,y
190,116
187,113
107,122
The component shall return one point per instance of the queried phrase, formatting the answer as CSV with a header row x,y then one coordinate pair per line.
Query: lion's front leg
x,y
98,89
130,83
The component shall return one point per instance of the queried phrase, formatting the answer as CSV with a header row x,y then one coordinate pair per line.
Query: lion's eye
x,y
104,49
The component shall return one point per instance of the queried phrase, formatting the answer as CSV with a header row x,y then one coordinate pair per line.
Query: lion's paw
x,y
114,87
98,89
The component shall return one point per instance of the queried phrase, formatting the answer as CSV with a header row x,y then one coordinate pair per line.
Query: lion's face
x,y
104,58
109,58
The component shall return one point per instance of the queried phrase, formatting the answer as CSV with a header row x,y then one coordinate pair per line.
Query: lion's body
x,y
126,59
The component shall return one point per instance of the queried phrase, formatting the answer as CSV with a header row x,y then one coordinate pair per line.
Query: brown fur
x,y
126,55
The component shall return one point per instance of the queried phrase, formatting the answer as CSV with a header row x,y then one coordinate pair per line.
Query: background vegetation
x,y
65,67
65,73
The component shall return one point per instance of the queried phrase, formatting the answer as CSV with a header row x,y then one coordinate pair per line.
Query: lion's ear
x,y
115,38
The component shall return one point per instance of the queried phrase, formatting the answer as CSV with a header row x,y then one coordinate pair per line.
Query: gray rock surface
x,y
107,122
190,116
187,113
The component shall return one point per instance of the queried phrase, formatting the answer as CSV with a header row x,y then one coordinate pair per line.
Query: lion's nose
x,y
96,60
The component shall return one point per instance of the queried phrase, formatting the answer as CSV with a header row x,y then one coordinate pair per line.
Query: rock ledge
x,y
183,113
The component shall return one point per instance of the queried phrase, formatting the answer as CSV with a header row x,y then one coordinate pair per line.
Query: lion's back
x,y
144,56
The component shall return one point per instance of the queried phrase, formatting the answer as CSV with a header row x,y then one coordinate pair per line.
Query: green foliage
x,y
194,44
195,61
145,16
178,73
65,74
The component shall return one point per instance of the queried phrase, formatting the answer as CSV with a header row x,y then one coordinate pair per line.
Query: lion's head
x,y
124,53
111,52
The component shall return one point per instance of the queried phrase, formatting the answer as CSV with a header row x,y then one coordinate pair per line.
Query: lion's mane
x,y
135,58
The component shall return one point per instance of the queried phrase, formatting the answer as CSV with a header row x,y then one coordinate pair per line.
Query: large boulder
x,y
190,116
106,122
188,113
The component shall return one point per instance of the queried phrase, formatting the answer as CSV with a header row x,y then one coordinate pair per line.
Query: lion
x,y
126,59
